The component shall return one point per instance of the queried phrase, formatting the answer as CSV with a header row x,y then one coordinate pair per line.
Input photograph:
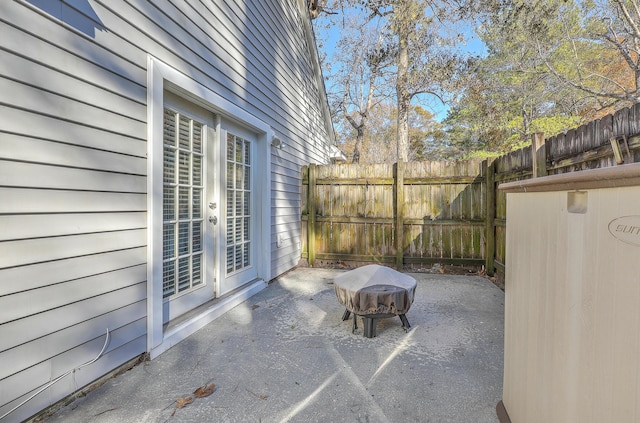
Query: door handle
x,y
213,219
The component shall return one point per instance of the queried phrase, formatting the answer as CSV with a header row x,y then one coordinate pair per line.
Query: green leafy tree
x,y
513,92
589,46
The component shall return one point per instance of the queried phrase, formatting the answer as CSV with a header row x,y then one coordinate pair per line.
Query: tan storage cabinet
x,y
572,298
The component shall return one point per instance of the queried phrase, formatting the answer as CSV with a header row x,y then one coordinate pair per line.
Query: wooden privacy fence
x,y
405,213
420,213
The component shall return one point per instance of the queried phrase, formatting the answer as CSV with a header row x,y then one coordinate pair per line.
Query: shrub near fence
x,y
421,213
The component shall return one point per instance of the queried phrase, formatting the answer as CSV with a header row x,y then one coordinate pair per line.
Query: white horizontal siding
x,y
37,250
21,148
29,124
117,338
41,349
73,194
18,332
290,188
37,100
151,28
73,209
30,175
125,342
110,360
55,272
23,200
287,219
37,226
41,39
73,86
27,303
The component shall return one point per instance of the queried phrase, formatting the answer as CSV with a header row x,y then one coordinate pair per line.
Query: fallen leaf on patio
x,y
255,306
183,402
262,397
204,391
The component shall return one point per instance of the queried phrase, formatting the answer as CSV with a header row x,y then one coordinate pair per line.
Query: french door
x,y
189,215
208,212
239,217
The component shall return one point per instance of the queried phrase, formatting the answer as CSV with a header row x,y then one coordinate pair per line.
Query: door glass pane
x,y
168,241
197,137
196,242
183,238
231,199
183,170
169,165
184,133
182,203
230,175
168,279
168,203
245,254
196,275
246,229
184,277
196,202
230,262
197,170
247,178
237,239
169,123
238,203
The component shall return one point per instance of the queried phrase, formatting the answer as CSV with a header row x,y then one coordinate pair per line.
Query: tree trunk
x,y
358,144
636,91
402,92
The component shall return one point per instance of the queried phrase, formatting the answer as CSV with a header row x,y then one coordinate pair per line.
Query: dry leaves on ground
x,y
262,397
201,392
204,391
183,402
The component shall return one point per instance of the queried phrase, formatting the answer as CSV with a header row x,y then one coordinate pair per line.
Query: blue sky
x,y
473,45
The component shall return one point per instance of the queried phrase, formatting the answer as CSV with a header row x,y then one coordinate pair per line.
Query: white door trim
x,y
161,77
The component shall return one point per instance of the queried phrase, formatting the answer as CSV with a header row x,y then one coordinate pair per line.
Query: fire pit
x,y
375,292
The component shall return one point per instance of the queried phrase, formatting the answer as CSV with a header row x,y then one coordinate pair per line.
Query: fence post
x,y
399,218
311,216
539,152
490,215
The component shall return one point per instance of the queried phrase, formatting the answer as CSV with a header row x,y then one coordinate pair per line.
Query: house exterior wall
x,y
572,315
73,164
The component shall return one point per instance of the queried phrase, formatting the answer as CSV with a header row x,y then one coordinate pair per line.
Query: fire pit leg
x,y
369,327
405,323
345,316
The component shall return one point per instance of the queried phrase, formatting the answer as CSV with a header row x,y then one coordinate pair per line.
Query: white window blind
x,y
238,203
182,203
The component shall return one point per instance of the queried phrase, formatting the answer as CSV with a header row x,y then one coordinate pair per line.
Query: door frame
x,y
160,78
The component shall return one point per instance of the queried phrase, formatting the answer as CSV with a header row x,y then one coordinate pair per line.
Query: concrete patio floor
x,y
285,355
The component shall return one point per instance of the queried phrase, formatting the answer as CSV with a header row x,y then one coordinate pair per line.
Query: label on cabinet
x,y
626,229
